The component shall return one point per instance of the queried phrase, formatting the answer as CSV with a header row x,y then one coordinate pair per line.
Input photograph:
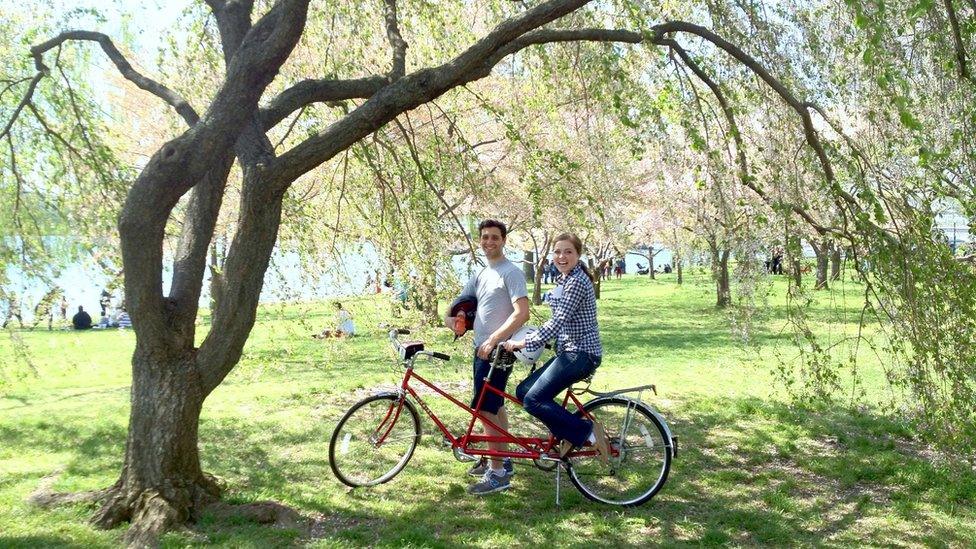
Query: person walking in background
x,y
13,309
45,308
545,270
105,301
64,307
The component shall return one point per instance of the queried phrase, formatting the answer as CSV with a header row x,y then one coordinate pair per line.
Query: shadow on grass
x,y
33,542
749,472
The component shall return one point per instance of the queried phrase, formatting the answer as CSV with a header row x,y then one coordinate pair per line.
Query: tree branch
x,y
233,22
307,92
396,40
173,170
411,146
23,102
957,40
744,176
411,91
172,98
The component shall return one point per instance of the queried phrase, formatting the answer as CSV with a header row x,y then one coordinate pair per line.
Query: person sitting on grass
x,y
344,325
81,320
124,320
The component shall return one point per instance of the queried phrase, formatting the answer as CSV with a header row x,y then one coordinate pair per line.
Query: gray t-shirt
x,y
497,287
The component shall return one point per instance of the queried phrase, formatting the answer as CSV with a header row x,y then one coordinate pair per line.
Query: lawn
x,y
754,468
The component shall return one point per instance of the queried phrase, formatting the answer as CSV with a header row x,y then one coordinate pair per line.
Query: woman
x,y
344,325
578,351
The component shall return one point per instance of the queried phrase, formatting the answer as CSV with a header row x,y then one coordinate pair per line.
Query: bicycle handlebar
x,y
399,348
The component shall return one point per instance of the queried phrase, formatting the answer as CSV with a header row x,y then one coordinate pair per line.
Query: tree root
x,y
262,512
45,498
151,513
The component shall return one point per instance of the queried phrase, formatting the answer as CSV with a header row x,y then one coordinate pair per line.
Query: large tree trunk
x,y
650,261
528,265
537,285
677,266
822,251
720,272
161,483
428,299
724,292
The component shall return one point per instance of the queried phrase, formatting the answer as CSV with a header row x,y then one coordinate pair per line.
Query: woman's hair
x,y
337,305
578,244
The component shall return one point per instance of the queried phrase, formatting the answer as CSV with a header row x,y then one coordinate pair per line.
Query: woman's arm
x,y
574,291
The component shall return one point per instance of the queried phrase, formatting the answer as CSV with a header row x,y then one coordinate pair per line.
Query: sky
x,y
148,22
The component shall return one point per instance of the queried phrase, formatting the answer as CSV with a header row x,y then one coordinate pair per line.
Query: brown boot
x,y
565,447
602,445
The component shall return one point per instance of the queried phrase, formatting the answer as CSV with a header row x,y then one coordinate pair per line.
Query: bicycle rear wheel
x,y
641,461
374,440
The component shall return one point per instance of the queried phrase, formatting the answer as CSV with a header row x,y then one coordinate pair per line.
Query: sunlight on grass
x,y
753,468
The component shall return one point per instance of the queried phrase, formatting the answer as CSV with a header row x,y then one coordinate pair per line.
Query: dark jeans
x,y
499,379
539,389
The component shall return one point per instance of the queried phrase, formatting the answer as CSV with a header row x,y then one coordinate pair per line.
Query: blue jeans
x,y
499,379
539,389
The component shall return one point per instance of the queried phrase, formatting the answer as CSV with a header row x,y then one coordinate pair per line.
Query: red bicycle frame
x,y
532,447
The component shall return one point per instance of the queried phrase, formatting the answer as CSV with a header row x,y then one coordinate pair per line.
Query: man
x,y
81,320
503,307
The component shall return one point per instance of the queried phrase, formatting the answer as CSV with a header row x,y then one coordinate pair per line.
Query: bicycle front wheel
x,y
641,456
374,440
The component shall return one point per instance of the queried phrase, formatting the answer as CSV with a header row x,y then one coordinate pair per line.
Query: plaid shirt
x,y
573,321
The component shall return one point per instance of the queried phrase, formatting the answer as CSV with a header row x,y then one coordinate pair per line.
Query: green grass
x,y
754,469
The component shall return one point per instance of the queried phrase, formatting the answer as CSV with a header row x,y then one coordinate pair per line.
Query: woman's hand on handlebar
x,y
512,345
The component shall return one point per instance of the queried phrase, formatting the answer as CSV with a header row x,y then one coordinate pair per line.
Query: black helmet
x,y
465,307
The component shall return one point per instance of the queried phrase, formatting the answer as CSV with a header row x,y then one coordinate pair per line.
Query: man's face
x,y
492,242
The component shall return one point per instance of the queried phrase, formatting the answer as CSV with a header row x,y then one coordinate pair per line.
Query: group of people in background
x,y
774,265
53,307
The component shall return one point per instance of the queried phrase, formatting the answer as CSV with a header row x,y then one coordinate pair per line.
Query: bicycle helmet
x,y
463,309
521,354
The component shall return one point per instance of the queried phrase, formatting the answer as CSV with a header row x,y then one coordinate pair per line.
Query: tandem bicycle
x,y
376,438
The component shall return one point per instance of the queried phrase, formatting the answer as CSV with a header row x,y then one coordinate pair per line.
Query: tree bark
x,y
528,265
540,268
596,277
794,253
162,484
677,266
650,261
822,251
720,272
835,261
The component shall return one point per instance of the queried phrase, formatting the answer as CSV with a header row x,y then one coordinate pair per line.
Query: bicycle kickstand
x,y
559,469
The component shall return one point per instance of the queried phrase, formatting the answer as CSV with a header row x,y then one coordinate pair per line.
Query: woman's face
x,y
565,256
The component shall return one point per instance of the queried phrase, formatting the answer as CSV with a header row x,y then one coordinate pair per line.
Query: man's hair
x,y
493,223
